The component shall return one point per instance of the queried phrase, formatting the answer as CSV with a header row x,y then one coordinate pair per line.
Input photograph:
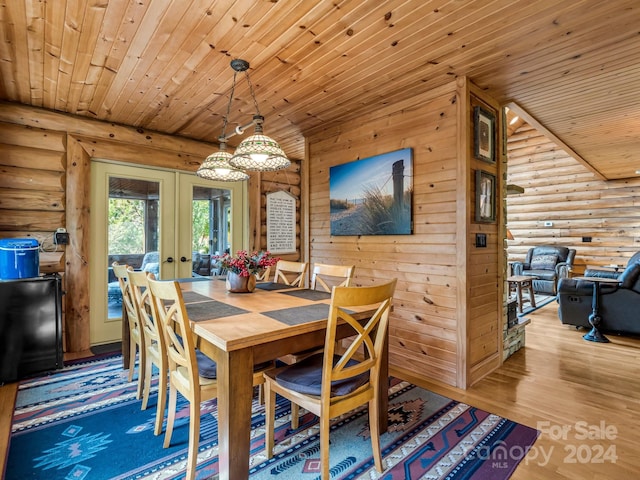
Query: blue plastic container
x,y
19,258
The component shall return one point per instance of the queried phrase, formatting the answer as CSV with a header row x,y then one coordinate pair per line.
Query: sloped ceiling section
x,y
164,66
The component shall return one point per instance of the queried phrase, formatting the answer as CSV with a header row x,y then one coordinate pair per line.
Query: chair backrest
x,y
325,276
563,254
363,350
153,334
171,315
630,277
120,272
201,263
135,327
286,269
264,276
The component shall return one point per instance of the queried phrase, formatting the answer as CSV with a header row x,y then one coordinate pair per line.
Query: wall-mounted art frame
x,y
485,197
484,135
281,222
373,195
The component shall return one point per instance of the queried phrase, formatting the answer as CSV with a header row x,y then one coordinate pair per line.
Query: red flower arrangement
x,y
245,264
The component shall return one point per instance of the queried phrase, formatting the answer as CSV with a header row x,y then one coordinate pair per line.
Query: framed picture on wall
x,y
484,126
373,195
485,197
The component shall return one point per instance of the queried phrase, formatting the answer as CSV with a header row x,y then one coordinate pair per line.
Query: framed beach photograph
x,y
485,197
484,144
372,196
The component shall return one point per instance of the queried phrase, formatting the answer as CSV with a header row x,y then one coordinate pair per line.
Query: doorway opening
x,y
169,223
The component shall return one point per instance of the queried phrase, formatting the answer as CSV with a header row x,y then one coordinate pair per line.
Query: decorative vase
x,y
239,284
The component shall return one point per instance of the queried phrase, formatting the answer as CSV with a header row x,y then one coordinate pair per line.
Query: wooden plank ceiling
x,y
574,66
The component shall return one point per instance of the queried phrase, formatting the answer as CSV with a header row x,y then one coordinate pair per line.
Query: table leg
x,y
532,297
235,391
383,388
126,339
594,319
519,296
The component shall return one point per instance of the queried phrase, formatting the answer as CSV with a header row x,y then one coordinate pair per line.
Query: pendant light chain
x,y
216,166
226,117
253,94
257,152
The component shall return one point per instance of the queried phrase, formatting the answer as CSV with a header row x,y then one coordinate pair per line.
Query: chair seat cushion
x,y
207,368
263,366
306,377
541,274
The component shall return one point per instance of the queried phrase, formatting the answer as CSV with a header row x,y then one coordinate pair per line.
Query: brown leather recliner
x,y
549,263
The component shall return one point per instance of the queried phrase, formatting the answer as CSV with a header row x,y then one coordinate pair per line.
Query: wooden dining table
x,y
240,330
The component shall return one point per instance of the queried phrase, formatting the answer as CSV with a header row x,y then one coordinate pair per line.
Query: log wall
x,y
45,160
560,190
447,319
32,188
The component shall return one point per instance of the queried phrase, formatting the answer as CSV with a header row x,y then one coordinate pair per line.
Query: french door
x,y
166,222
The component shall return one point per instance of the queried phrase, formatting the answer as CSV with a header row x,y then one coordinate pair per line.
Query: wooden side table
x,y
520,282
595,319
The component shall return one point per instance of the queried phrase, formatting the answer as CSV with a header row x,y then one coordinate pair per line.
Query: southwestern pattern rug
x,y
84,422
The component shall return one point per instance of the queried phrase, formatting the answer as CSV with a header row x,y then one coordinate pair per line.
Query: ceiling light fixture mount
x,y
257,152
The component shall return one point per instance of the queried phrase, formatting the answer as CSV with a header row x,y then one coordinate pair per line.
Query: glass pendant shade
x,y
216,167
259,153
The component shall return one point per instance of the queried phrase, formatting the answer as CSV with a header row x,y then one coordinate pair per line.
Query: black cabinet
x,y
30,326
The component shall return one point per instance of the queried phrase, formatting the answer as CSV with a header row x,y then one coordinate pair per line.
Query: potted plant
x,y
242,268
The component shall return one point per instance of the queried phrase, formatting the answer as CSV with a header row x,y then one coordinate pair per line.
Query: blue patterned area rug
x,y
541,301
84,422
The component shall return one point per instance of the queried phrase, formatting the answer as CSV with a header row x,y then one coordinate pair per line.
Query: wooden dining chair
x,y
136,332
328,384
155,345
325,276
194,376
264,276
286,270
191,372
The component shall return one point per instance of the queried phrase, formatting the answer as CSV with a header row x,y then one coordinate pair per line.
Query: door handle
x,y
169,260
185,259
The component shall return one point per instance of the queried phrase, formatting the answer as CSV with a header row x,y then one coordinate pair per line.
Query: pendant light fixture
x,y
259,152
256,153
216,166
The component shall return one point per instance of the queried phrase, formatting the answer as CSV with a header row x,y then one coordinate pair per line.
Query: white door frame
x,y
184,213
176,194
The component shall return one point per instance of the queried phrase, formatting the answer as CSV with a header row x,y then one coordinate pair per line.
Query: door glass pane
x,y
210,227
133,232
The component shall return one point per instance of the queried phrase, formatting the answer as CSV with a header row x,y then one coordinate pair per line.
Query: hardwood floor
x,y
7,402
583,396
557,383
